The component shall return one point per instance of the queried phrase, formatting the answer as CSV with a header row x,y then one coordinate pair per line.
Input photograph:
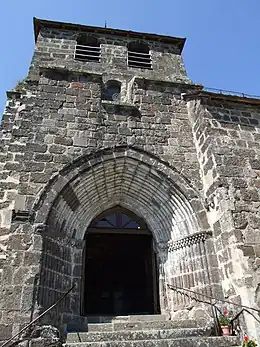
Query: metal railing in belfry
x,y
191,294
39,317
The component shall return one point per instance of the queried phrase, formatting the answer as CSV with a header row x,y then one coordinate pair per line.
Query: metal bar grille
x,y
139,60
87,53
139,53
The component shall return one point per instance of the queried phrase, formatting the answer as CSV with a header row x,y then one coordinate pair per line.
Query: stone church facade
x,y
108,136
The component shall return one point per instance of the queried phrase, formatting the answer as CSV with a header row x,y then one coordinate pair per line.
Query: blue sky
x,y
223,36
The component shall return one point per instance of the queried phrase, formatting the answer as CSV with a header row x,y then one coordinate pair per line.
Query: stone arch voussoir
x,y
143,184
187,198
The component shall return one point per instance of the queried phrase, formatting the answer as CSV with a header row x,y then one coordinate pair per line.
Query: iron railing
x,y
179,290
194,296
39,317
230,92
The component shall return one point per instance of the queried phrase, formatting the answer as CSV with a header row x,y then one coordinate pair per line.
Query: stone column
x,y
162,255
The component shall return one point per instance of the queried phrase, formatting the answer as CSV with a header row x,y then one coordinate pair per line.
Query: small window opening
x,y
118,218
139,55
87,49
112,91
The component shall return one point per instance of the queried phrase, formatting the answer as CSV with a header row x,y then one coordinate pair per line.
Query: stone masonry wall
x,y
56,47
227,138
56,116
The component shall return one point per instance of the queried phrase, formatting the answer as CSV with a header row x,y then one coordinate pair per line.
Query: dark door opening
x,y
119,273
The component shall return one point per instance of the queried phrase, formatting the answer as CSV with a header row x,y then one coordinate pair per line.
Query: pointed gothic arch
x,y
124,166
138,182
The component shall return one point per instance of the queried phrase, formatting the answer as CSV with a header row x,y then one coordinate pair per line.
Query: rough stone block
x,y
5,331
36,147
63,141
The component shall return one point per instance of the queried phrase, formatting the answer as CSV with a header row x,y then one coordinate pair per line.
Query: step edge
x,y
128,336
117,331
138,330
151,340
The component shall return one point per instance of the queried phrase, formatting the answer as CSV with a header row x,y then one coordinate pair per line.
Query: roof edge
x,y
225,97
38,23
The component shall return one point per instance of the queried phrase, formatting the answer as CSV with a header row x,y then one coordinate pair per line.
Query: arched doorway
x,y
138,182
120,272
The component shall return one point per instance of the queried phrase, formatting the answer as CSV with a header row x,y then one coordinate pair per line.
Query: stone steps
x,y
129,318
137,335
146,331
178,342
143,325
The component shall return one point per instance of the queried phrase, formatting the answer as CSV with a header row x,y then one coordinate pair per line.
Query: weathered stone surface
x,y
134,335
136,331
192,342
5,331
185,161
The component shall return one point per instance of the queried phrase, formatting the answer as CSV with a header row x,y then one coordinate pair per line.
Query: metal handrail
x,y
40,316
244,308
213,298
177,289
230,92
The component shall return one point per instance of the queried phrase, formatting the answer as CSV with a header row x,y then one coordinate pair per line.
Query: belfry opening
x,y
119,266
